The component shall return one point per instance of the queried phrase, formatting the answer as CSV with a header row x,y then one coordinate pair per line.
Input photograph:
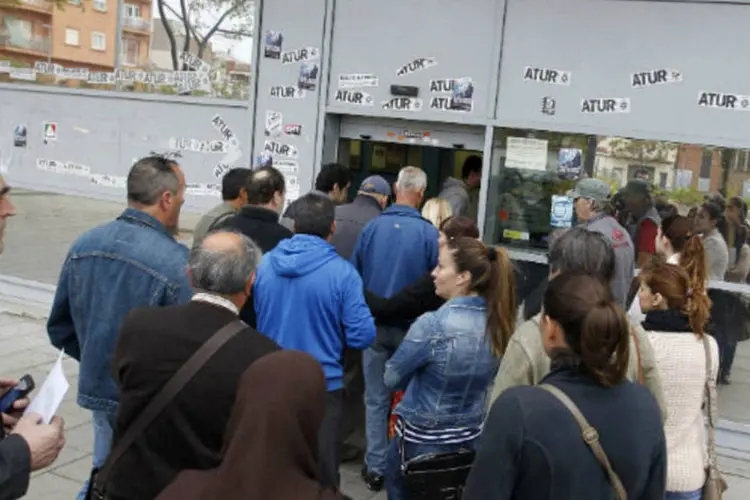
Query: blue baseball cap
x,y
375,184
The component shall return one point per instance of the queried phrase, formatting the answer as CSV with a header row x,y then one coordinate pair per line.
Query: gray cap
x,y
375,184
591,189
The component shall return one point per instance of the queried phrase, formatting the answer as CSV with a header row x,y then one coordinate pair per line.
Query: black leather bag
x,y
436,476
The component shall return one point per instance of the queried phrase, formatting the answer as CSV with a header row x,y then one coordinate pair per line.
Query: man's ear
x,y
190,277
333,228
249,285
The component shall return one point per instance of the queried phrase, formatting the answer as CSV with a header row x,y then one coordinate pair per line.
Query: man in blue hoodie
x,y
393,251
309,299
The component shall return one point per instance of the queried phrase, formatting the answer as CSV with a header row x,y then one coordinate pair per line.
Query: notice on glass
x,y
526,154
50,396
561,215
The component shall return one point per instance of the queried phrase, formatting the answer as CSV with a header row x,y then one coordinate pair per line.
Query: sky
x,y
240,49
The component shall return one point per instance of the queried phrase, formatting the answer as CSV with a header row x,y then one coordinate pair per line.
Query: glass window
x,y
71,36
98,40
132,10
100,5
130,52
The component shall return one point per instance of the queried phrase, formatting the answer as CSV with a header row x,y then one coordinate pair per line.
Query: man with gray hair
x,y
576,251
133,261
393,251
155,343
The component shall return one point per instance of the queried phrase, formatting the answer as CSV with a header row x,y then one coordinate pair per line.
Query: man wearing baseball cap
x,y
371,199
590,196
644,219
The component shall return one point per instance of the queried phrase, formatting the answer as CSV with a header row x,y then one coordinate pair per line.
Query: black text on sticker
x,y
606,105
654,77
721,100
546,75
275,148
293,129
353,97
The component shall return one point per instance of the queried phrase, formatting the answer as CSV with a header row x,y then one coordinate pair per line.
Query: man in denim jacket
x,y
133,261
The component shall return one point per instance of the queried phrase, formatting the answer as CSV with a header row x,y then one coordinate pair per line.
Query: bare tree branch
x,y
170,34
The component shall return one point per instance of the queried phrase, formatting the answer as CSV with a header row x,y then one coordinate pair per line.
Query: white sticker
x,y
102,77
194,62
198,146
47,68
654,77
221,168
526,153
73,74
446,85
547,75
49,131
112,181
274,120
418,64
299,55
225,131
27,74
62,167
291,181
286,167
287,92
203,189
275,148
602,105
721,100
403,104
451,104
355,80
354,97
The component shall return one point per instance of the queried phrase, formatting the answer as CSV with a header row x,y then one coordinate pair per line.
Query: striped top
x,y
419,435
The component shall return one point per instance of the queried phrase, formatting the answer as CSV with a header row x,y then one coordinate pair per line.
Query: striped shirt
x,y
419,435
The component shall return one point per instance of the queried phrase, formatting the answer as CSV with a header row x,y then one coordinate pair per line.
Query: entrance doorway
x,y
365,158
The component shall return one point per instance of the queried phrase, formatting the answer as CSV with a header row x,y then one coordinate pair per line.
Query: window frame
x,y
99,35
68,31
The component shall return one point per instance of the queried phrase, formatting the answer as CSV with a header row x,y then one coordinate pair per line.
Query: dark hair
x,y
738,203
716,198
314,215
581,251
459,226
472,164
150,177
333,174
595,327
234,182
493,278
679,231
714,210
676,286
263,184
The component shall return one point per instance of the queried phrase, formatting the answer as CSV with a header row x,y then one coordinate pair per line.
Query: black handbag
x,y
436,476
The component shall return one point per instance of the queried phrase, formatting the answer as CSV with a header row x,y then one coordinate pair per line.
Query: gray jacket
x,y
350,220
211,220
455,193
624,249
717,255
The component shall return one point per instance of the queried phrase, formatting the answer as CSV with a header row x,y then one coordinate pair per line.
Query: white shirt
x,y
216,300
635,314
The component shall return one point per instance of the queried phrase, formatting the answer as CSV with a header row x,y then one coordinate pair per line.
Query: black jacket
x,y
532,447
262,226
15,467
408,304
189,433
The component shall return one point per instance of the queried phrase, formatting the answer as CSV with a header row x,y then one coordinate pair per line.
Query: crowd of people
x,y
252,365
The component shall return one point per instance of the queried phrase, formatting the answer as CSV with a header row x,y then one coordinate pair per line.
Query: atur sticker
x,y
418,64
549,106
308,75
355,80
293,129
446,85
354,97
273,41
275,148
549,76
287,92
403,104
300,55
721,100
602,105
274,119
644,79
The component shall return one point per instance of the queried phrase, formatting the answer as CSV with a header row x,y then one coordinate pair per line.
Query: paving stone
x,y
52,487
78,470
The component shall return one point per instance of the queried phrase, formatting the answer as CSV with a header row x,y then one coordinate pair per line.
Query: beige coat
x,y
526,363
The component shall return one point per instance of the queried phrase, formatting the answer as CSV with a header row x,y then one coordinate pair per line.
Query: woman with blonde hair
x,y
436,210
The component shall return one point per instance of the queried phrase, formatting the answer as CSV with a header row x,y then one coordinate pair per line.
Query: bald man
x,y
155,343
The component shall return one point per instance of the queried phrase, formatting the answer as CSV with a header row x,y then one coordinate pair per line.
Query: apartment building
x,y
74,33
706,173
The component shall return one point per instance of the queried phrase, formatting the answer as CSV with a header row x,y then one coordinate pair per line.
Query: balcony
x,y
35,44
137,24
44,6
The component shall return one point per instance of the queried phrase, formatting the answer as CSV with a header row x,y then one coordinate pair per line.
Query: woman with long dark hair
x,y
532,444
449,357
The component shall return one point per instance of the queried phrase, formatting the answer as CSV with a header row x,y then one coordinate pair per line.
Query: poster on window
x,y
569,164
561,212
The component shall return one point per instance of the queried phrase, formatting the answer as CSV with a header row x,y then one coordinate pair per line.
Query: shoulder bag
x,y
591,437
99,477
715,485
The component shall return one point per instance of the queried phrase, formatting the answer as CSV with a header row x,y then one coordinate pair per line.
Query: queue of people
x,y
239,369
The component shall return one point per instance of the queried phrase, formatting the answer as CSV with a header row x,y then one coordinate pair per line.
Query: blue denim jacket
x,y
130,262
447,366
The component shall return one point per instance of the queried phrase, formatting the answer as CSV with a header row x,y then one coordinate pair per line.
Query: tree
x,y
234,21
642,150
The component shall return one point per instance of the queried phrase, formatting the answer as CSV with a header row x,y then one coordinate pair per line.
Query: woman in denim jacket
x,y
449,357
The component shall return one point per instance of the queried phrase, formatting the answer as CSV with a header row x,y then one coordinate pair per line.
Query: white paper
x,y
526,154
50,395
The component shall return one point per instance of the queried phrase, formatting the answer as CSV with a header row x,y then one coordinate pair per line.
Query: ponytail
x,y
500,294
605,343
695,263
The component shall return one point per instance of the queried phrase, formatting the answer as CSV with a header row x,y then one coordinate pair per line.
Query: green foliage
x,y
685,196
641,149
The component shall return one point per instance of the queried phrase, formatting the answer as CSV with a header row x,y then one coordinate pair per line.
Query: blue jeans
x,y
103,425
394,481
684,495
377,407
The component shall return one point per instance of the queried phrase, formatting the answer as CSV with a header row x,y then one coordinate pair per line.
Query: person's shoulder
x,y
256,342
140,318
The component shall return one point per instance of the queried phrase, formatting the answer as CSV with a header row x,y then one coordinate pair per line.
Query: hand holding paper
x,y
50,395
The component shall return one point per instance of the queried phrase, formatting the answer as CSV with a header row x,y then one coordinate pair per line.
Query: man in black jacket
x,y
333,181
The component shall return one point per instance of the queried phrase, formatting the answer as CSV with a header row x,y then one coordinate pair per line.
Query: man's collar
x,y
216,300
140,217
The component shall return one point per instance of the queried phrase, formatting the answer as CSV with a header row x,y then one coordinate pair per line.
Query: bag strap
x,y
219,220
167,393
710,394
591,437
638,354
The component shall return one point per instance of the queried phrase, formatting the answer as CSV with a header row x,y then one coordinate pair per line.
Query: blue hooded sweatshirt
x,y
309,299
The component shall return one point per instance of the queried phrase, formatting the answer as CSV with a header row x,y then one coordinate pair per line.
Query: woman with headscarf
x,y
271,445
